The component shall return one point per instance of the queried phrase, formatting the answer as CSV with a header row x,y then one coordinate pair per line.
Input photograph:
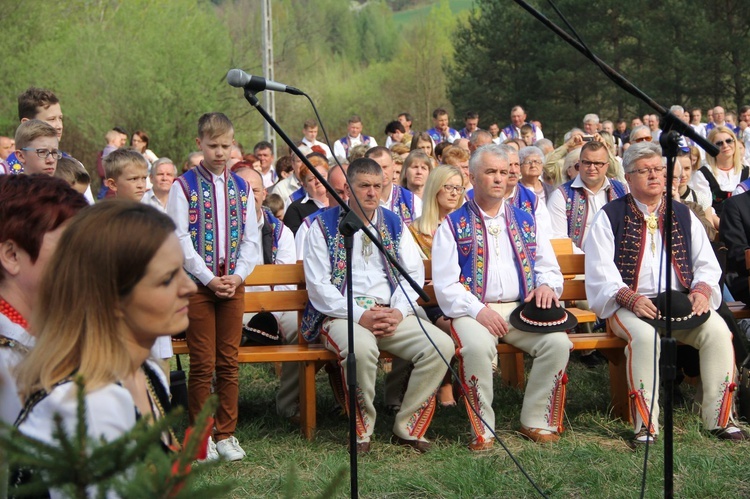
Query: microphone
x,y
240,79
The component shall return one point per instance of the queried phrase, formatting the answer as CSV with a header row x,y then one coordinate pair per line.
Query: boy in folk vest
x,y
209,206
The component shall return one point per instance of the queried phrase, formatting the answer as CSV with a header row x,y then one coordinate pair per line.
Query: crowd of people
x,y
97,291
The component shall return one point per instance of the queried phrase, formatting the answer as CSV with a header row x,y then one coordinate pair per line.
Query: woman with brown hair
x,y
118,286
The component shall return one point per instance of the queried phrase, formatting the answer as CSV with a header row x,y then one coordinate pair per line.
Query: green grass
x,y
593,459
417,14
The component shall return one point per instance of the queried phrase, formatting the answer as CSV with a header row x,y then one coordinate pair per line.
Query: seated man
x,y
573,205
734,231
624,255
486,257
383,315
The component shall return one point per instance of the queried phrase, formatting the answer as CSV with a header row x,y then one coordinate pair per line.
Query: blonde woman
x,y
720,177
443,193
102,304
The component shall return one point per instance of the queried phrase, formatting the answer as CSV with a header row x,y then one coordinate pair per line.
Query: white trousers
x,y
543,401
409,343
713,341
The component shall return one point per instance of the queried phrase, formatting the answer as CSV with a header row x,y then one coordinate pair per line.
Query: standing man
x,y
383,316
624,260
591,124
7,146
354,137
264,152
488,257
162,175
310,139
394,197
573,205
517,120
441,131
718,118
406,120
471,125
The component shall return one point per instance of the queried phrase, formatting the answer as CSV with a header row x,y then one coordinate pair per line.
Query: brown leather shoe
x,y
362,447
731,432
482,446
420,446
539,435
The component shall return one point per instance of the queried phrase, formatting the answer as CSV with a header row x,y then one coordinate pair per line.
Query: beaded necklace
x,y
174,444
11,313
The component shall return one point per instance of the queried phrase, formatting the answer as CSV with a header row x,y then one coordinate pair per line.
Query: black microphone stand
x,y
349,225
672,126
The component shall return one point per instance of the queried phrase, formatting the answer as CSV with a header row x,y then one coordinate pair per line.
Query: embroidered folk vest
x,y
576,206
271,233
718,195
525,199
402,203
388,227
629,228
345,142
198,187
470,233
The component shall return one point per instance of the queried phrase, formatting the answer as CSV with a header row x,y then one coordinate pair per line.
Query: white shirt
x,y
269,178
502,284
340,152
368,275
727,181
110,412
10,403
558,213
603,279
250,246
320,144
150,199
286,187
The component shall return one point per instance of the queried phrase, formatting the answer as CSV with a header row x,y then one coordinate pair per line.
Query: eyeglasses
x,y
458,189
647,171
728,142
533,162
596,164
45,153
643,139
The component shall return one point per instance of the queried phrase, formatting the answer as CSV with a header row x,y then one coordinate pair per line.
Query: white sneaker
x,y
211,453
229,449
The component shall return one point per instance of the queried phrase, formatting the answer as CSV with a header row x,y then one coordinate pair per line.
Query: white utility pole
x,y
269,100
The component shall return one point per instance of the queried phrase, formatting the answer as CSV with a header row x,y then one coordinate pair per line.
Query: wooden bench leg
x,y
511,369
307,400
618,383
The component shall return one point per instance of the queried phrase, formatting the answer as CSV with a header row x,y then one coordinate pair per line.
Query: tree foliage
x,y
684,52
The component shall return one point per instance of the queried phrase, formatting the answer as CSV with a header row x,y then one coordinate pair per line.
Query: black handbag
x,y
178,386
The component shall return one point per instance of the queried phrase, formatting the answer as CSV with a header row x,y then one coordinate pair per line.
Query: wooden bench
x,y
312,356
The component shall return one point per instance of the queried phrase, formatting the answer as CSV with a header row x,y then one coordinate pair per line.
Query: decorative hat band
x,y
263,333
543,324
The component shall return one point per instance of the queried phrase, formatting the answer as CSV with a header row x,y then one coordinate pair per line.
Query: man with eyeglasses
x,y
36,147
574,204
624,274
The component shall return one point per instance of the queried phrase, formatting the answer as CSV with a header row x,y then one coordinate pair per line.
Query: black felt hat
x,y
262,329
532,319
682,312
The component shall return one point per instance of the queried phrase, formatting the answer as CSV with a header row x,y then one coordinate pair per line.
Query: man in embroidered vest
x,y
486,257
471,122
277,243
441,131
383,315
516,194
396,198
572,206
517,120
209,206
354,137
263,150
624,255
